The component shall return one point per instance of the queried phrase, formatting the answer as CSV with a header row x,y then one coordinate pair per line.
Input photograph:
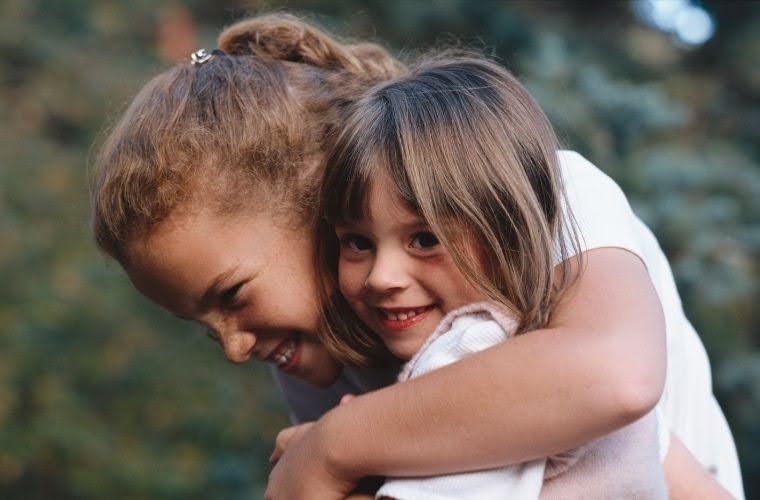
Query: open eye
x,y
424,240
355,243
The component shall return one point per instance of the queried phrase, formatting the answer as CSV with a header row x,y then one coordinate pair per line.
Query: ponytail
x,y
285,37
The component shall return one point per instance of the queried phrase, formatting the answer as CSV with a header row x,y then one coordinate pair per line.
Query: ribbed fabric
x,y
624,464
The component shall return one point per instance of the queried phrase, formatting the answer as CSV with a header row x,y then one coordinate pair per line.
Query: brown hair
x,y
466,147
248,126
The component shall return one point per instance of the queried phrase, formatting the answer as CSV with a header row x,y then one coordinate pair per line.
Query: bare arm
x,y
600,365
687,479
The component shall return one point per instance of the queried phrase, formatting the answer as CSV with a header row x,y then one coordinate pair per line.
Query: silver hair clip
x,y
200,56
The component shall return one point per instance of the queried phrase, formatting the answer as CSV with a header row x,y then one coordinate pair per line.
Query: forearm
x,y
687,478
485,411
538,394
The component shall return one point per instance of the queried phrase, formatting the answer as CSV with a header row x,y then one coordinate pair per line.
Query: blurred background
x,y
102,395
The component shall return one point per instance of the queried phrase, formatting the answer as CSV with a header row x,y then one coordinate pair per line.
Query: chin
x,y
403,352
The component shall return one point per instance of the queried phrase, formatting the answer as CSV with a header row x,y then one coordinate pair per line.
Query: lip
x,y
295,358
398,325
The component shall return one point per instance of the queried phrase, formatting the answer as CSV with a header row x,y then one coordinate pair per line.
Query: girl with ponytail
x,y
205,193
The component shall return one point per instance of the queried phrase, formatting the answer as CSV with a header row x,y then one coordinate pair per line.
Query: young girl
x,y
444,190
205,195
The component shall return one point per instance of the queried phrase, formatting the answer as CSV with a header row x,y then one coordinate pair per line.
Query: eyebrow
x,y
215,286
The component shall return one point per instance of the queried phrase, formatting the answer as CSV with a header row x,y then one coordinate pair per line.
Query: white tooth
x,y
287,353
411,314
402,316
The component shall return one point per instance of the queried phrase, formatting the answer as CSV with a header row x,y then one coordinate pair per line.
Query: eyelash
x,y
348,241
229,299
416,236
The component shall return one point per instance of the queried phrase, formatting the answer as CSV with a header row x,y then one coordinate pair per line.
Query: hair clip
x,y
200,56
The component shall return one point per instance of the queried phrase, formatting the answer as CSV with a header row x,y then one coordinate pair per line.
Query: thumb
x,y
346,398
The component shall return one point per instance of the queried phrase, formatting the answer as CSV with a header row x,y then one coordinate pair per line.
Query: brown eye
x,y
356,243
424,240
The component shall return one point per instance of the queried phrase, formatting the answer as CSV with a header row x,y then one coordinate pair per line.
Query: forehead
x,y
182,256
384,200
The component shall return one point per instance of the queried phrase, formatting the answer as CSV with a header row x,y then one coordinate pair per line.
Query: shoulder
x,y
472,328
465,331
581,177
596,206
467,334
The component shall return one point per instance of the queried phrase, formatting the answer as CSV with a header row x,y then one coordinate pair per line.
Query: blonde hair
x,y
250,127
466,147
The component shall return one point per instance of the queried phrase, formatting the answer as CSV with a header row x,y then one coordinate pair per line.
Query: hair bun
x,y
288,38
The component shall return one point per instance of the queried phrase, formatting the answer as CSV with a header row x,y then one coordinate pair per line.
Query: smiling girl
x,y
205,193
446,197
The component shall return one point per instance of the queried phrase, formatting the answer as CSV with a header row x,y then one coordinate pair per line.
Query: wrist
x,y
337,447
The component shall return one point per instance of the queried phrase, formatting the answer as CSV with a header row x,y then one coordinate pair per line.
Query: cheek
x,y
450,283
351,277
281,304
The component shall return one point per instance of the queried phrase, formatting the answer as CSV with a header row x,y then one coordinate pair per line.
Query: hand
x,y
303,467
284,437
347,398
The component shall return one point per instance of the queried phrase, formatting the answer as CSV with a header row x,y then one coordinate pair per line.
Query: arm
x,y
600,365
687,479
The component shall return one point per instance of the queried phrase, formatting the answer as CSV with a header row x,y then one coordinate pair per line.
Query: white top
x,y
623,465
604,219
459,335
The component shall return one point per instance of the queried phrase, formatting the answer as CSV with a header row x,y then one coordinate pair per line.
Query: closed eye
x,y
230,298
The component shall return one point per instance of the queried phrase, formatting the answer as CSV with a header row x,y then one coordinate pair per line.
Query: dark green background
x,y
102,395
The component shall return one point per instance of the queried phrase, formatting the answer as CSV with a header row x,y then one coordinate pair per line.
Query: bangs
x,y
462,144
369,149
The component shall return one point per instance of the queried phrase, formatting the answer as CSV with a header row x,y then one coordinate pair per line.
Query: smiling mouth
x,y
285,356
401,318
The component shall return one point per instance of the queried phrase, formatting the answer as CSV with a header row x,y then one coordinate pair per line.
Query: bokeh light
x,y
689,23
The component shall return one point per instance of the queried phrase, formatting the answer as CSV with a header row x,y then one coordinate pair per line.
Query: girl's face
x,y
395,274
249,281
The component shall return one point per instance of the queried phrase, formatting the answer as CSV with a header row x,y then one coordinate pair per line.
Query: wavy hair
x,y
250,127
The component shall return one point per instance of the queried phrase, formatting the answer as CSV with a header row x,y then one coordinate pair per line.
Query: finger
x,y
346,398
281,442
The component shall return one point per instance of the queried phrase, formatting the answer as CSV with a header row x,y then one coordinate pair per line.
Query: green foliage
x,y
103,395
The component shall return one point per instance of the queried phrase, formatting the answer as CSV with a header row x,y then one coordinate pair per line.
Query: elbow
x,y
638,386
637,394
635,376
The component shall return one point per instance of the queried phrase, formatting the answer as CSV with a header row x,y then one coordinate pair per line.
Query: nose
x,y
387,273
237,344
